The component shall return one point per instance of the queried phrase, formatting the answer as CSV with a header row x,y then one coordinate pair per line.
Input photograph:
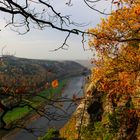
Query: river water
x,y
40,125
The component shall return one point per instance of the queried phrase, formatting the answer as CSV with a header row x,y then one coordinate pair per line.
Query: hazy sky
x,y
37,44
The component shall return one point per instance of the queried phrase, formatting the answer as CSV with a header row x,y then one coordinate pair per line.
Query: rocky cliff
x,y
102,117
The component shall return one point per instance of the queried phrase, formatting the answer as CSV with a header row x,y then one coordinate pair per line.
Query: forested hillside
x,y
33,72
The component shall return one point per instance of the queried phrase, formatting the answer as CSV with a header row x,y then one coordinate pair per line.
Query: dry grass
x,y
69,130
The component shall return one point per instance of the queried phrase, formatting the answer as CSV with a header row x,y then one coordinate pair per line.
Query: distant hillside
x,y
35,72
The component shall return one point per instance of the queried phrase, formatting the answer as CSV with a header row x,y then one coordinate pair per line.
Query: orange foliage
x,y
122,26
55,83
117,43
119,74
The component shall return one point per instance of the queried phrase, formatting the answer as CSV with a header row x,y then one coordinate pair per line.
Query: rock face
x,y
90,109
117,117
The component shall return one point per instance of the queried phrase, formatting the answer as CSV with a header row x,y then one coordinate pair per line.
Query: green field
x,y
36,101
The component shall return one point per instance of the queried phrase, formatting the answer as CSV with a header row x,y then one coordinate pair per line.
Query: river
x,y
40,125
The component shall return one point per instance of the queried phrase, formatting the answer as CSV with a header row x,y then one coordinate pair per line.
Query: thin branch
x,y
92,7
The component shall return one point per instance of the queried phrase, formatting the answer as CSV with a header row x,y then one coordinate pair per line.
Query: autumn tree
x,y
117,44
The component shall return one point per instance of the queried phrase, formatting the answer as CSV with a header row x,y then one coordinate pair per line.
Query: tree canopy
x,y
117,43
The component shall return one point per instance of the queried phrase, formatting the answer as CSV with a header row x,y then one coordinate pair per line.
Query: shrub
x,y
50,135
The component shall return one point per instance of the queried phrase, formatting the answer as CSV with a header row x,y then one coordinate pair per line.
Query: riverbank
x,y
41,124
23,118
